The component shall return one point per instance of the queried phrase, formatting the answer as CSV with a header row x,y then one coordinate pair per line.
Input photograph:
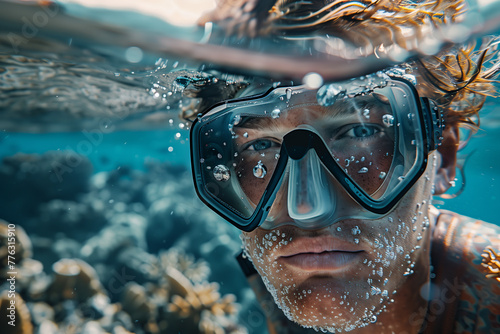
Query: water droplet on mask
x,y
366,113
202,160
328,94
347,162
356,230
382,175
276,113
219,155
388,120
236,119
288,94
363,170
245,135
221,173
259,171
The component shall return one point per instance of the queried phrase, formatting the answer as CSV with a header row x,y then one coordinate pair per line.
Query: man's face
x,y
340,276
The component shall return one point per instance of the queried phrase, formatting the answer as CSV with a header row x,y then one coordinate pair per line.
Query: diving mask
x,y
314,157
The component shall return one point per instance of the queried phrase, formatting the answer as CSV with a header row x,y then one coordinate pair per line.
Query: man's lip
x,y
320,253
325,261
317,245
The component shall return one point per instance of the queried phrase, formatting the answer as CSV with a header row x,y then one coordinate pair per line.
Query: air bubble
x,y
259,171
375,290
276,113
313,80
221,173
388,120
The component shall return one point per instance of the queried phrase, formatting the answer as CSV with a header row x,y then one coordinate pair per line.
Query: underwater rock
x,y
73,279
17,313
78,220
29,179
199,308
195,270
136,303
19,242
137,263
123,231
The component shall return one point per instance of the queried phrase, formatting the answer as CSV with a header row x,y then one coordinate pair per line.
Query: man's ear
x,y
447,152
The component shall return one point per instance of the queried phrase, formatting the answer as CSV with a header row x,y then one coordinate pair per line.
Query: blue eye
x,y
261,144
361,131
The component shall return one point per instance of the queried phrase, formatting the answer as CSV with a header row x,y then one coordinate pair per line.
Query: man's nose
x,y
309,194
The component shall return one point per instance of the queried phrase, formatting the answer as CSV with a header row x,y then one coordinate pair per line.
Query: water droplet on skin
x,y
356,241
276,113
277,156
366,113
356,230
221,173
339,229
288,94
375,290
259,171
347,162
245,135
388,120
363,170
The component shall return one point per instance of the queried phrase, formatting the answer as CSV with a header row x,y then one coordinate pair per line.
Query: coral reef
x,y
127,252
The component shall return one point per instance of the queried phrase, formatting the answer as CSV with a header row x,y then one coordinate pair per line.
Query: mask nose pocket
x,y
309,196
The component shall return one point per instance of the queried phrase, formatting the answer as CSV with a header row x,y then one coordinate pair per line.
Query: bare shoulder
x,y
466,294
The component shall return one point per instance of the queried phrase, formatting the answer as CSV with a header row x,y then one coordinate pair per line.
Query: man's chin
x,y
325,309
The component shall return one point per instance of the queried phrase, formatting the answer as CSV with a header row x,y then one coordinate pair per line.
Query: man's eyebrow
x,y
258,122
